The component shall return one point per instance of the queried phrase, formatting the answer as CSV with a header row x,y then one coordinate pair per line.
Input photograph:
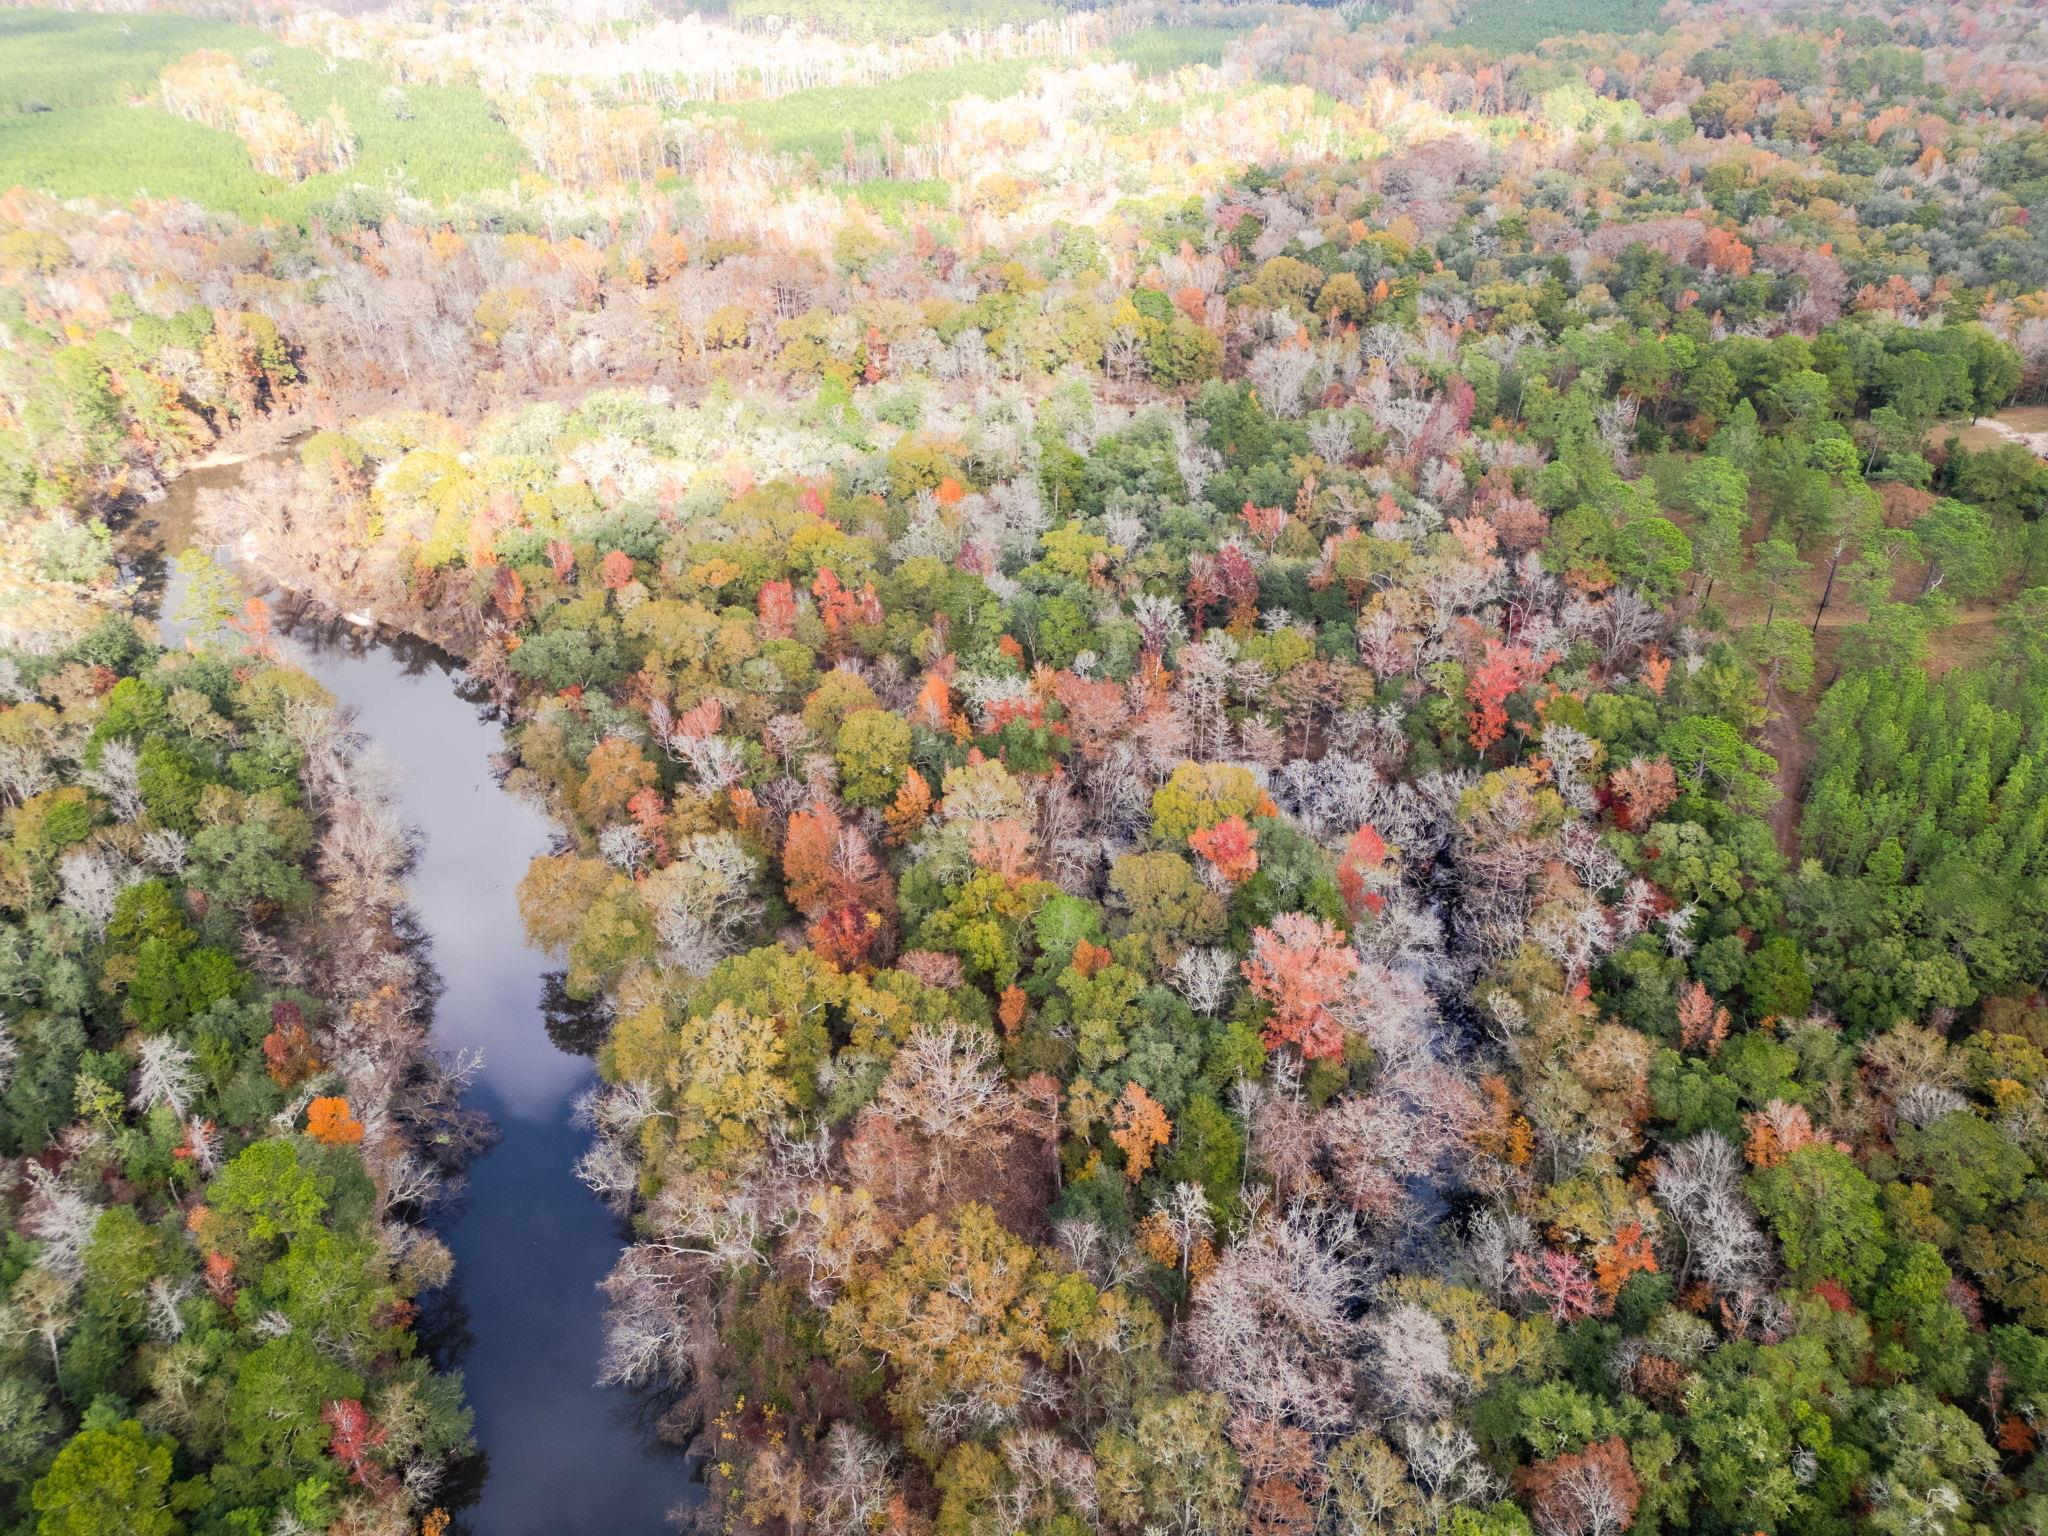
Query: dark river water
x,y
561,1457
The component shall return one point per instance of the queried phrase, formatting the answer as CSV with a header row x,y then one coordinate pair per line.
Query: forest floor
x,y
1971,636
2016,424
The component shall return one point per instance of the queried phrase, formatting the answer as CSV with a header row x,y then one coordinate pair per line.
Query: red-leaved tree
x,y
1501,673
1230,847
776,607
354,1443
1301,966
1559,1280
807,858
1362,872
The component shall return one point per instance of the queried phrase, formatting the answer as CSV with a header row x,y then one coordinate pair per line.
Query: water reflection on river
x,y
561,1456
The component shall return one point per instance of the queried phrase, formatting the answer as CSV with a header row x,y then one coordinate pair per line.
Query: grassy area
x,y
123,152
1161,50
56,60
441,142
2020,418
1515,26
816,120
434,142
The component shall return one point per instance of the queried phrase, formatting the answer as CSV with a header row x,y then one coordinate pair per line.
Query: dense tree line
x,y
213,1088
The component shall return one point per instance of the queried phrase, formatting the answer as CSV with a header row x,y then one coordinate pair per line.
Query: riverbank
x,y
215,1013
530,1243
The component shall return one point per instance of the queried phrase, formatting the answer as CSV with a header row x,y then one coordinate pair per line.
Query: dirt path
x,y
1970,636
2024,426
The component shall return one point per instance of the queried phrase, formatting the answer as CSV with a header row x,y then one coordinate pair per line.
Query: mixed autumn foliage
x,y
1355,843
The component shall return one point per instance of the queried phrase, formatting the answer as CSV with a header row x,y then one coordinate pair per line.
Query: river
x,y
561,1456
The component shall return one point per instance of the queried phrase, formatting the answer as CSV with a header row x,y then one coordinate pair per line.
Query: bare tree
x,y
168,1074
1203,977
116,777
24,771
1410,1361
1700,1183
1048,1476
853,1485
59,1218
1445,1463
946,1084
1272,1328
705,901
91,881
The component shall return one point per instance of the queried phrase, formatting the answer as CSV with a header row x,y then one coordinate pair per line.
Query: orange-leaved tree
x,y
329,1122
1137,1126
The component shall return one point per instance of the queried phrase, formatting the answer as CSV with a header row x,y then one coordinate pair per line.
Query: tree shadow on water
x,y
577,1026
464,1486
442,1326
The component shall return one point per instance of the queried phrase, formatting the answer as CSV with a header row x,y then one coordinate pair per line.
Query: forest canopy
x,y
1298,754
